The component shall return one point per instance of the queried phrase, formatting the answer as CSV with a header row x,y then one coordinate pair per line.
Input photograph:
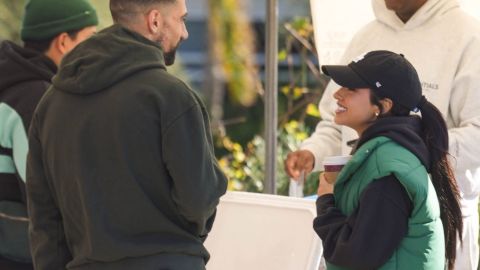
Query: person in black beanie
x,y
395,204
51,28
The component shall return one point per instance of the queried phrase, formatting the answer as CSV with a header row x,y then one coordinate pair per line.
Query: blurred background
x,y
223,60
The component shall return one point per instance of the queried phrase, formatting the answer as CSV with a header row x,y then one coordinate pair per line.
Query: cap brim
x,y
345,76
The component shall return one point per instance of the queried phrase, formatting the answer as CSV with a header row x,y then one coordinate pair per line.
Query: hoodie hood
x,y
20,65
105,59
431,10
404,131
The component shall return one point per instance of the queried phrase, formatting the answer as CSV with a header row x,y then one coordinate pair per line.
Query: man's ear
x,y
58,48
60,43
387,105
154,21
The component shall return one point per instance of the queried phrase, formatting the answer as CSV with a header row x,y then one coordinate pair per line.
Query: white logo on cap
x,y
378,84
360,57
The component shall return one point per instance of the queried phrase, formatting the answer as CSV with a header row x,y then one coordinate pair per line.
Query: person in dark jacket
x,y
51,28
395,204
121,172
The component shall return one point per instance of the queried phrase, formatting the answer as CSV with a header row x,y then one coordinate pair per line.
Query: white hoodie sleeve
x,y
464,111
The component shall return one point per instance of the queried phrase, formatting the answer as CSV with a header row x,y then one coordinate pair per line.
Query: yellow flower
x,y
312,110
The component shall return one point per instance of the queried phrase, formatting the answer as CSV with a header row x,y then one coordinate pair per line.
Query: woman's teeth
x,y
340,109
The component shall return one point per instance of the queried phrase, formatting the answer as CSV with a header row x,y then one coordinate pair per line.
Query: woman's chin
x,y
338,120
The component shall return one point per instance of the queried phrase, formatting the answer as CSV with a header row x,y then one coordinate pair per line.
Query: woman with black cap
x,y
395,204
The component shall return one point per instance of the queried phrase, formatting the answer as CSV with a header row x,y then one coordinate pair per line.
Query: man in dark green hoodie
x,y
121,172
51,28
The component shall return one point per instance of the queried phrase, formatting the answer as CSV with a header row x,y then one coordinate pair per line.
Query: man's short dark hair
x,y
42,46
124,10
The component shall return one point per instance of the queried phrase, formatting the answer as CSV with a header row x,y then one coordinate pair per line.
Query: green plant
x,y
233,47
244,166
306,83
244,162
10,19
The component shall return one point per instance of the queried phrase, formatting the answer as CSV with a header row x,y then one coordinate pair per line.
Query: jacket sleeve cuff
x,y
325,202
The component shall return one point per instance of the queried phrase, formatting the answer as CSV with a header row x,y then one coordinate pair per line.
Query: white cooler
x,y
264,232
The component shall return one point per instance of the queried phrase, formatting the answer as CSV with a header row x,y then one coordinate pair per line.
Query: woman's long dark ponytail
x,y
435,136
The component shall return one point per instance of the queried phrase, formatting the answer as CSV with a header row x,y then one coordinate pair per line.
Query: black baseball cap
x,y
388,74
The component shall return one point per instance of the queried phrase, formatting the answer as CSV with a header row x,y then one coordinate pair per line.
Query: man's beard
x,y
169,57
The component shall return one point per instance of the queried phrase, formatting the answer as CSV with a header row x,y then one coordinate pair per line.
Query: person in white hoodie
x,y
443,43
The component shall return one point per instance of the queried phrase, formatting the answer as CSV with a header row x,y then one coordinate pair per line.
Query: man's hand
x,y
298,162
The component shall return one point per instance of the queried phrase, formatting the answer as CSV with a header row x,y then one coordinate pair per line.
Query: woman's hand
x,y
324,187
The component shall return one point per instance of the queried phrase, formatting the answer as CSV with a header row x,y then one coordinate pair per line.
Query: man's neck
x,y
406,15
55,57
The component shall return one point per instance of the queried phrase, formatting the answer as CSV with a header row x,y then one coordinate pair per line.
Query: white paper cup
x,y
332,166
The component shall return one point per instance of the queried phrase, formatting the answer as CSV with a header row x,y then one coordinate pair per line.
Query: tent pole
x,y
271,95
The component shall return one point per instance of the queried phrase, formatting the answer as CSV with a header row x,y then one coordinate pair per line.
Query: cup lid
x,y
336,160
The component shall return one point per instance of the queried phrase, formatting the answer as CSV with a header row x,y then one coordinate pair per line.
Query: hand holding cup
x,y
332,167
